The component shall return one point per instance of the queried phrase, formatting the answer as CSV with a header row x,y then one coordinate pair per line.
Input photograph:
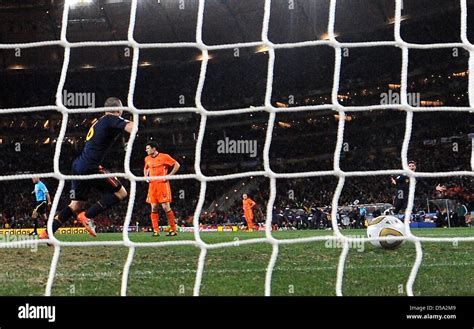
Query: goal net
x,y
335,105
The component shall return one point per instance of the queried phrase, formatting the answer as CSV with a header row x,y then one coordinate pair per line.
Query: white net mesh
x,y
267,172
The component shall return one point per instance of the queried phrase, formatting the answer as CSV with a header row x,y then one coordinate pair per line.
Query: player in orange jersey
x,y
247,205
159,191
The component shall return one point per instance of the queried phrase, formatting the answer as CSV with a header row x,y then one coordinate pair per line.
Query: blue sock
x,y
106,202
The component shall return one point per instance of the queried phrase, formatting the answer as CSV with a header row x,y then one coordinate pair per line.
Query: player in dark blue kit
x,y
100,137
402,184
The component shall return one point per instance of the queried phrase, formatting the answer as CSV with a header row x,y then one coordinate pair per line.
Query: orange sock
x,y
171,220
154,221
250,224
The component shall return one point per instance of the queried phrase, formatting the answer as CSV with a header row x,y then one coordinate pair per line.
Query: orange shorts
x,y
159,192
248,213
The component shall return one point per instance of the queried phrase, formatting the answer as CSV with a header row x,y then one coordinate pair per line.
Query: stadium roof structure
x,y
225,21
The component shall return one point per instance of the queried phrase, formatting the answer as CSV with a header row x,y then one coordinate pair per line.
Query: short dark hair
x,y
113,102
152,144
412,161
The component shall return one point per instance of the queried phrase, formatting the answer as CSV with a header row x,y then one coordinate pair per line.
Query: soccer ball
x,y
386,226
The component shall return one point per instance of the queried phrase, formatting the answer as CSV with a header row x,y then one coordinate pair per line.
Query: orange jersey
x,y
247,204
158,165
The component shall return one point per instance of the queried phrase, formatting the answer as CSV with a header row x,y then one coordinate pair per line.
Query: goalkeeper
x,y
100,137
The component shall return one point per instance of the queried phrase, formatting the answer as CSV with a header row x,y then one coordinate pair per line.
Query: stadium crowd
x,y
300,203
301,141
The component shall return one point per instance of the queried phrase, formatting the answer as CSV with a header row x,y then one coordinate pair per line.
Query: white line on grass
x,y
139,273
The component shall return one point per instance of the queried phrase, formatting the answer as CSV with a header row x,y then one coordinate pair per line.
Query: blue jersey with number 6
x,y
100,137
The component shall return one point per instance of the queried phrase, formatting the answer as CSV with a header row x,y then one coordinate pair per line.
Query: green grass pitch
x,y
301,269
